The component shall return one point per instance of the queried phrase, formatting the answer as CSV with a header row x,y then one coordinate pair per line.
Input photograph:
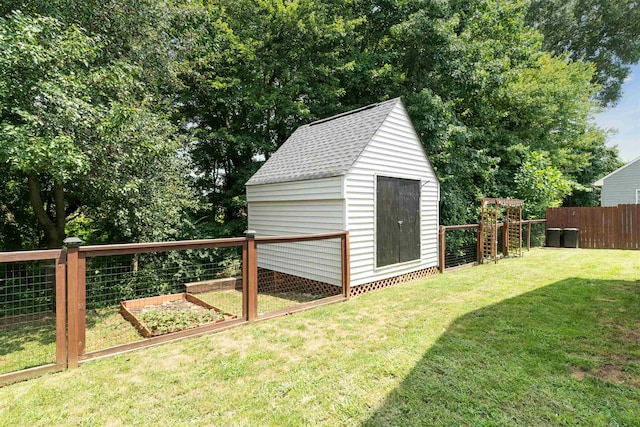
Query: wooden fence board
x,y
616,227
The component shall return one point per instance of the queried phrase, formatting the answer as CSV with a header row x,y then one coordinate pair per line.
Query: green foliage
x,y
604,33
145,118
90,131
251,73
17,222
41,95
488,98
541,185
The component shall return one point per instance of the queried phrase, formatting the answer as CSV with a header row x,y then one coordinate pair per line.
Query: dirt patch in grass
x,y
578,374
613,373
630,335
610,372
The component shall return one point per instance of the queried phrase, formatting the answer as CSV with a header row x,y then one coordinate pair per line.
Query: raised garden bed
x,y
227,283
170,313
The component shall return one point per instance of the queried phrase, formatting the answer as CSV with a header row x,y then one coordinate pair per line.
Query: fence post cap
x,y
250,233
72,242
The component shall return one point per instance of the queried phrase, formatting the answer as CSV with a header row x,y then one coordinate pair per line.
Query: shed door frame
x,y
418,260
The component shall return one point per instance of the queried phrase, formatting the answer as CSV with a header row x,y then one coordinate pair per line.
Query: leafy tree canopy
x,y
139,120
605,33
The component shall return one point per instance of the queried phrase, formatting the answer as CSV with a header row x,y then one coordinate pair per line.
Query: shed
x,y
364,171
622,186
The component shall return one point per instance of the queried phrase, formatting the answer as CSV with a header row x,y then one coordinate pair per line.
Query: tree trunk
x,y
53,227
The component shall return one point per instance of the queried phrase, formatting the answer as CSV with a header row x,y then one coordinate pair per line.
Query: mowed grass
x,y
34,343
551,338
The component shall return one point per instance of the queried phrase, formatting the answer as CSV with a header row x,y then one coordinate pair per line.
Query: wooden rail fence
x,y
615,227
71,294
464,250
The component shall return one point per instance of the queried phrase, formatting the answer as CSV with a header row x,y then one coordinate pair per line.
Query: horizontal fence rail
x,y
61,307
459,243
611,227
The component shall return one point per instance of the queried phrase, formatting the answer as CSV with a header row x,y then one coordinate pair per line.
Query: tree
x,y
540,184
41,105
86,136
18,225
252,72
485,99
603,32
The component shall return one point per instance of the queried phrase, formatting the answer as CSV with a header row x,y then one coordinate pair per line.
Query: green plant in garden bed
x,y
164,321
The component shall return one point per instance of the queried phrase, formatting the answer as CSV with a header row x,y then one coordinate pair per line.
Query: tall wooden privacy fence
x,y
61,307
614,227
459,244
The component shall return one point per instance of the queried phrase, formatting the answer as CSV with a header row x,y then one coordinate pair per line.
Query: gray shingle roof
x,y
324,148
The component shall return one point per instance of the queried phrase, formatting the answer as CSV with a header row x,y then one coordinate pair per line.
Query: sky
x,y
625,117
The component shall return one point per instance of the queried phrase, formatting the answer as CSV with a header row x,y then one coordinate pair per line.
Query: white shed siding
x,y
317,260
312,189
394,151
620,188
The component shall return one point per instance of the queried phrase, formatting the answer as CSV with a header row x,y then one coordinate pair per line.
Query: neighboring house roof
x,y
324,148
600,182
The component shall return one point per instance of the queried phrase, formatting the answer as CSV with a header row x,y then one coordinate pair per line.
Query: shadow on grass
x,y
27,345
15,338
568,353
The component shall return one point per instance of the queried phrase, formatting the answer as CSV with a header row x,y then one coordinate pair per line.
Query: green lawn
x,y
551,338
33,343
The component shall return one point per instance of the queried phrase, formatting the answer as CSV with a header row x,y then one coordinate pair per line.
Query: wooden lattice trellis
x,y
489,232
513,224
488,241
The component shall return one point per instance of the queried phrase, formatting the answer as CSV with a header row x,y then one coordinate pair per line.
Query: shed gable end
x,y
394,151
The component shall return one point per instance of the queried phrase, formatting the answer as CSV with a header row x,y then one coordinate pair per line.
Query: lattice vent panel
x,y
391,281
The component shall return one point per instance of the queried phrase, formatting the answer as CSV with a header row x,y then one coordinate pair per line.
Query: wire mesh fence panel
x,y
500,241
461,247
538,234
130,297
27,314
298,272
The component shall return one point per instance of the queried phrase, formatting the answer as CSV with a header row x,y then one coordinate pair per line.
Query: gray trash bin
x,y
554,237
570,237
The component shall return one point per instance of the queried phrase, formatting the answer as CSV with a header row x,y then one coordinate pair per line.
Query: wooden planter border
x,y
127,306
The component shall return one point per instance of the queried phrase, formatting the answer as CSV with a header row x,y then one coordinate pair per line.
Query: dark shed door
x,y
397,220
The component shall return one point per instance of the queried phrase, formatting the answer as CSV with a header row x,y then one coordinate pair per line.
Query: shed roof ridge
x,y
329,148
350,112
364,147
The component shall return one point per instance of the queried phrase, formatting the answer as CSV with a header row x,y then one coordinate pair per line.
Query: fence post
x,y
73,301
61,309
480,238
245,279
252,275
529,235
443,247
346,266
